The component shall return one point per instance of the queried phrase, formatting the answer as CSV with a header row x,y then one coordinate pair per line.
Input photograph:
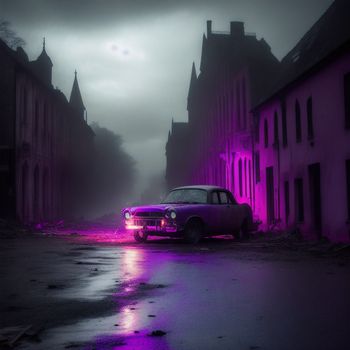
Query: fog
x,y
134,57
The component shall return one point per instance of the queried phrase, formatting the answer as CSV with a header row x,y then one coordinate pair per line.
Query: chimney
x,y
209,28
237,29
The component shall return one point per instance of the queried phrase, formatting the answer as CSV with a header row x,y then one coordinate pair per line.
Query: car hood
x,y
156,207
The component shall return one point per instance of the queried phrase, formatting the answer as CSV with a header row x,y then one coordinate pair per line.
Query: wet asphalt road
x,y
102,291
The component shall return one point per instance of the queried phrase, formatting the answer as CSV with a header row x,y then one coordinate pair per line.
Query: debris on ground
x,y
158,333
56,286
11,336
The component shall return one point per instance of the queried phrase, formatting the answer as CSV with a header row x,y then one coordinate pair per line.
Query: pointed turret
x,y
76,100
193,79
43,66
192,85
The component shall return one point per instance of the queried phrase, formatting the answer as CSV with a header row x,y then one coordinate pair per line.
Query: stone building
x,y
302,142
217,145
45,141
276,133
176,152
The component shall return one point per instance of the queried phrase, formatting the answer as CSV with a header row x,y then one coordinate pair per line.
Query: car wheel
x,y
242,232
140,236
193,232
245,229
237,235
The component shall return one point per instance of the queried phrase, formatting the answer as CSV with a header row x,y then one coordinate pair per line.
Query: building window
x,y
297,122
250,178
232,176
286,200
45,121
245,177
348,185
284,124
240,177
36,118
275,128
244,104
299,200
347,100
24,101
266,134
256,121
310,123
257,167
238,105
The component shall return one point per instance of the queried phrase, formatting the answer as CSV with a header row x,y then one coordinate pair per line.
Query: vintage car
x,y
191,212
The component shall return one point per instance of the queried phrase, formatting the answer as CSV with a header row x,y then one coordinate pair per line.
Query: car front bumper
x,y
152,226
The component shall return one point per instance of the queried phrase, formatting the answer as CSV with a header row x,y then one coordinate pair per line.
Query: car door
x,y
215,215
231,213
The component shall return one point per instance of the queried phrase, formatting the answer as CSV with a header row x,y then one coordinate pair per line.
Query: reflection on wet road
x,y
217,295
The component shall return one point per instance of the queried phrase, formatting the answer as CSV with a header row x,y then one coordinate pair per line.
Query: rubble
x,y
158,333
10,337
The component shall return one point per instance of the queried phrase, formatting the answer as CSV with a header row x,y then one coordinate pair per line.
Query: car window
x,y
223,198
188,195
215,198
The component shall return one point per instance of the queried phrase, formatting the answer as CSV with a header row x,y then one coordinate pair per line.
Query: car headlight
x,y
127,215
170,213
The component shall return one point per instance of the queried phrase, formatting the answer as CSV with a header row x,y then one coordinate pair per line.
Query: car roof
x,y
200,187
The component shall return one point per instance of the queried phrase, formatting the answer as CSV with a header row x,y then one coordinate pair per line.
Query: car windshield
x,y
186,196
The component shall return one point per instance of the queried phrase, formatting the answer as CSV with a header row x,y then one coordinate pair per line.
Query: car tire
x,y
194,232
237,235
243,232
140,236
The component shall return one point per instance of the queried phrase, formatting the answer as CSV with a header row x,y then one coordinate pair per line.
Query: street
x,y
103,291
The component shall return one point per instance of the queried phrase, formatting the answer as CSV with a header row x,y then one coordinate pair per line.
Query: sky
x,y
134,57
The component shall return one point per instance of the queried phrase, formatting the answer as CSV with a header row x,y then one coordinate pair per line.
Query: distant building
x,y
217,145
177,151
45,142
275,133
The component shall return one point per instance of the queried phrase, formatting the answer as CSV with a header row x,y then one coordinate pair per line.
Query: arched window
x,y
245,177
24,101
250,179
238,105
297,122
244,104
45,121
266,134
284,124
240,175
233,177
310,122
36,119
275,128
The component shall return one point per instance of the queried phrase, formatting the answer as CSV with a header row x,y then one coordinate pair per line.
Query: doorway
x,y
315,197
270,200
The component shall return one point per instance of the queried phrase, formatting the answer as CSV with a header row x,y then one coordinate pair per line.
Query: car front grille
x,y
149,214
147,222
